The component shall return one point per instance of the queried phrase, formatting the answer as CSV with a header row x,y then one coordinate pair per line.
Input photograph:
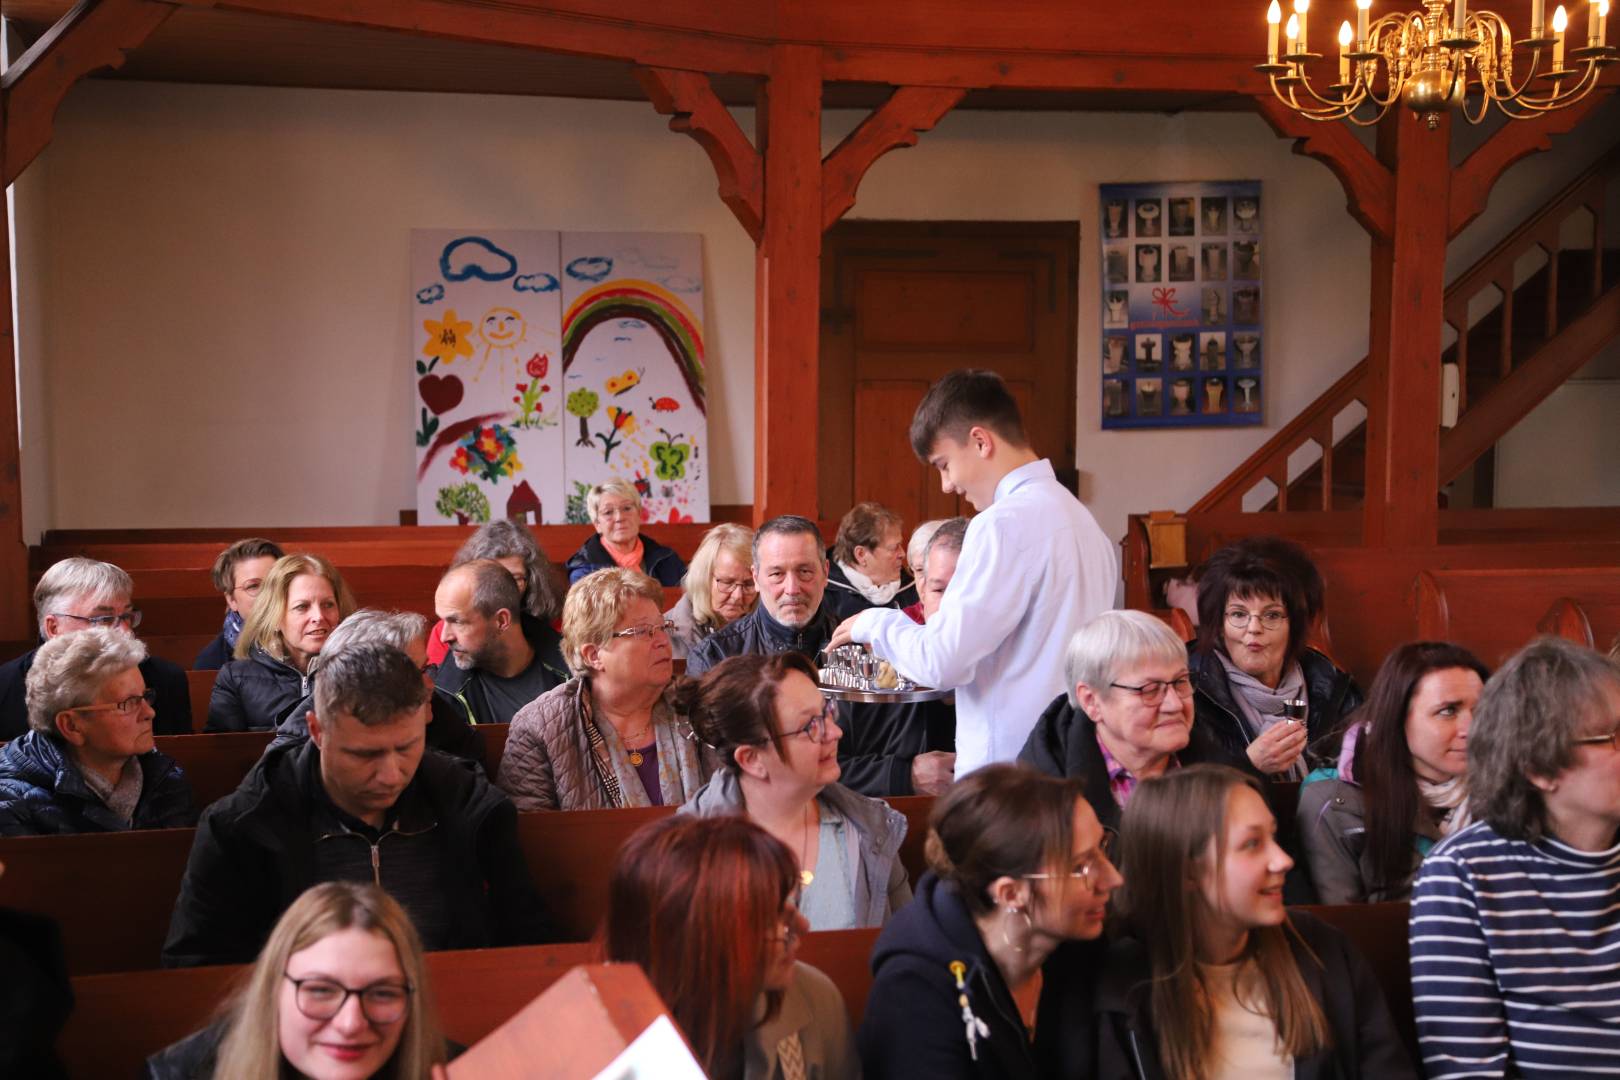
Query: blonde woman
x,y
719,587
608,737
339,992
615,511
302,602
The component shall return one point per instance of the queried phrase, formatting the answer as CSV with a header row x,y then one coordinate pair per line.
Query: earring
x,y
1029,927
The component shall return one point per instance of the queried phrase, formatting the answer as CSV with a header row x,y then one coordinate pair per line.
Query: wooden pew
x,y
1497,611
121,1020
214,764
201,685
71,878
1379,931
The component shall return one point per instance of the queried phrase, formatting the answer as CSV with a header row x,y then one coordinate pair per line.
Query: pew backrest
x,y
1379,932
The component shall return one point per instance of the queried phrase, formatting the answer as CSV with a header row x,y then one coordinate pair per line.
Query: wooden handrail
x,y
1270,461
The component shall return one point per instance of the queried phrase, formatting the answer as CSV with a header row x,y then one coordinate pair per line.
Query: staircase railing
x,y
1495,270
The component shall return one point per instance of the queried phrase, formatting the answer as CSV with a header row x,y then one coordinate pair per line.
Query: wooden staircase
x,y
1520,332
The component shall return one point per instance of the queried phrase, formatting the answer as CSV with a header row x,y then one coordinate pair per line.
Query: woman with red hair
x,y
705,906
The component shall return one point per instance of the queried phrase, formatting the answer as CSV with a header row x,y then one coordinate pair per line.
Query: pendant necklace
x,y
636,757
806,876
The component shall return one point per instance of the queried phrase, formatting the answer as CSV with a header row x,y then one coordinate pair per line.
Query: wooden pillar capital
x,y
689,100
910,111
1368,182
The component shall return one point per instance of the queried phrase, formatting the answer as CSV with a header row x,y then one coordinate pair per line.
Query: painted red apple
x,y
441,393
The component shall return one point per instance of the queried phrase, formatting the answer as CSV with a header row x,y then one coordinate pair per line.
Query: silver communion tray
x,y
850,673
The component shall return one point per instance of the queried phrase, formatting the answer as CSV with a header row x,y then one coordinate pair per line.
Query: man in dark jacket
x,y
500,658
73,595
361,800
883,748
87,762
449,727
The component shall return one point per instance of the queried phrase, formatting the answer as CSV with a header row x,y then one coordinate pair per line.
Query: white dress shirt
x,y
1034,568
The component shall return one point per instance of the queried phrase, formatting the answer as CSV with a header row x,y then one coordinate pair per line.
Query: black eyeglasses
x,y
322,999
130,618
125,707
1152,691
819,728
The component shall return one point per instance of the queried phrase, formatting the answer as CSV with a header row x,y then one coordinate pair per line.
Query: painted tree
x,y
464,502
582,403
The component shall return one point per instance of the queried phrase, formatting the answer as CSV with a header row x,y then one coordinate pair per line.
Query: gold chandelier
x,y
1438,59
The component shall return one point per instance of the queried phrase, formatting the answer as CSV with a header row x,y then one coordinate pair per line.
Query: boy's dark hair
x,y
962,400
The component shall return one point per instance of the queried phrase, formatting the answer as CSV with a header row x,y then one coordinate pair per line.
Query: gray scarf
x,y
1261,706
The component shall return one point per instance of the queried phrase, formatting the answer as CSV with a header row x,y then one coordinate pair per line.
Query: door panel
x,y
908,302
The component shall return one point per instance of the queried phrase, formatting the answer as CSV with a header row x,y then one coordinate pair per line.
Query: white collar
x,y
1039,469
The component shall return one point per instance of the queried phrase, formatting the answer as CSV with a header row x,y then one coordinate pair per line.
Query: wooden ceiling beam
x,y
93,34
897,123
1369,185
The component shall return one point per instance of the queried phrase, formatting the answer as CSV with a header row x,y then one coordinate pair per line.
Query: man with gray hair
x,y
360,800
76,594
500,657
448,730
939,563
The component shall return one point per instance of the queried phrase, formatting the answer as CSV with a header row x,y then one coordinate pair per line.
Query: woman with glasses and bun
x,y
706,907
1018,864
339,992
777,742
1209,976
87,762
607,737
1258,687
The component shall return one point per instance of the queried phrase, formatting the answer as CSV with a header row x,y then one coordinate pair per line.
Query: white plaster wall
x,y
225,278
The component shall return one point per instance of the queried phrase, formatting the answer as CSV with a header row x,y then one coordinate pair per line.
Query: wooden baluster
x,y
1506,285
1324,438
1279,477
1551,247
1460,324
1597,205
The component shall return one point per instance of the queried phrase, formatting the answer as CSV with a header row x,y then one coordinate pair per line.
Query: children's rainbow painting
x,y
549,362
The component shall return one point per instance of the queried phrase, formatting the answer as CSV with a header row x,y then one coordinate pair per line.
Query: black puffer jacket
x,y
913,1025
1332,693
42,792
1064,743
448,728
657,561
467,685
255,853
844,599
173,705
1096,1019
254,694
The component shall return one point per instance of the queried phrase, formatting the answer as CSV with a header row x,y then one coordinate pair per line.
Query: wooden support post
x,y
15,625
787,287
1408,304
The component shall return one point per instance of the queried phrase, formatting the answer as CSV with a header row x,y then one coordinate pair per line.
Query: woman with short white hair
x,y
1127,715
614,508
87,763
719,587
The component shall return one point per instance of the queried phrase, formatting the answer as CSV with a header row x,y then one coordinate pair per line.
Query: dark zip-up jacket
x,y
880,741
173,705
449,728
844,599
1064,743
468,686
43,792
214,655
657,561
260,847
255,693
1095,1018
913,1026
1332,693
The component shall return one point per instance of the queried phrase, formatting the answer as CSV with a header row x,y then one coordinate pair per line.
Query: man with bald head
x,y
500,659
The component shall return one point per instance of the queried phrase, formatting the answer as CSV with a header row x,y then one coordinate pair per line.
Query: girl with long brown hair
x,y
1213,979
706,907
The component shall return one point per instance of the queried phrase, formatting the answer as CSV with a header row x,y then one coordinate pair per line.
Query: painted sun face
x,y
501,326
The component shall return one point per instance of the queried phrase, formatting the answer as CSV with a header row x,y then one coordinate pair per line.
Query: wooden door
x,y
906,302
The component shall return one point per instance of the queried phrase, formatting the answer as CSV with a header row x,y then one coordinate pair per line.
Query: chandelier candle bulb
x,y
1560,24
1458,18
1293,34
1273,18
1344,53
1300,9
1594,25
1362,7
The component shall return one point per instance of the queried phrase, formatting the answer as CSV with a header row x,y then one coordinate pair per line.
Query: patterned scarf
x,y
233,628
1263,707
680,766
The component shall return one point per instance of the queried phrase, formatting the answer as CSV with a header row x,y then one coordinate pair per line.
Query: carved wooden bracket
x,y
1472,181
694,109
910,111
94,34
1368,184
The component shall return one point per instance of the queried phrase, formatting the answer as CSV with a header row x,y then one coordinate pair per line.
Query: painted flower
x,y
447,338
537,366
460,461
489,445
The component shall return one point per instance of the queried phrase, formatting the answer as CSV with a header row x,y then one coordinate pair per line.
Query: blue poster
x,y
1181,315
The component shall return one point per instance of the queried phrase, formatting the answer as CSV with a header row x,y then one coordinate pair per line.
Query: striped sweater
x,y
1516,958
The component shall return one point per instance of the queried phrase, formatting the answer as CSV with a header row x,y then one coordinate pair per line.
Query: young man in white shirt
x,y
1034,568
